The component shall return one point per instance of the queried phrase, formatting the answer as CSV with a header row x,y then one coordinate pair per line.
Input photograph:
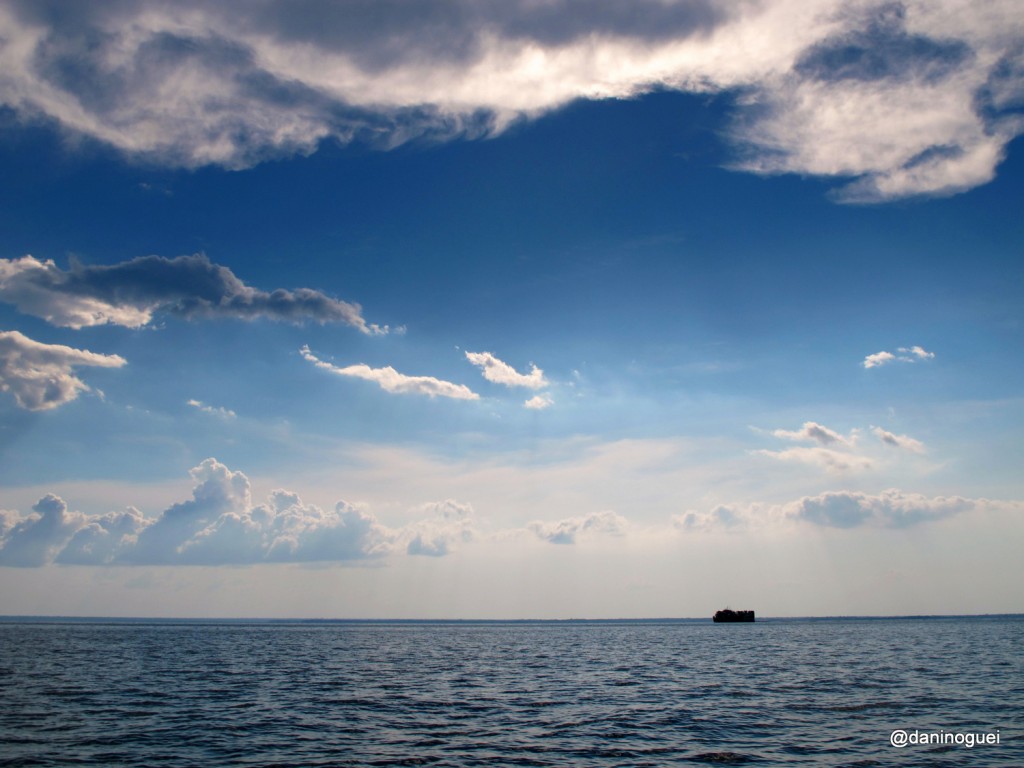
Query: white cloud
x,y
897,99
443,526
879,358
128,294
40,375
102,538
606,523
391,380
826,458
814,432
502,373
906,355
889,509
918,353
224,413
898,441
539,402
837,509
834,452
219,525
36,539
719,518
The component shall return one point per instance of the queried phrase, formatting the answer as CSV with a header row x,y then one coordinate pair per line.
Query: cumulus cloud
x,y
836,509
502,373
219,525
814,432
722,517
102,538
40,376
128,294
392,381
906,355
539,402
889,509
903,442
893,98
879,358
567,531
36,539
444,525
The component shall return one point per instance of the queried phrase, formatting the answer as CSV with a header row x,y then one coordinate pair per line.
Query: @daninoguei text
x,y
903,738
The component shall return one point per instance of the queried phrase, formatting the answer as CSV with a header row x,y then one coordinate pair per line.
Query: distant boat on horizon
x,y
729,615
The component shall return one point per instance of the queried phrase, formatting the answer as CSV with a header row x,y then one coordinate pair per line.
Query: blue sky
x,y
546,311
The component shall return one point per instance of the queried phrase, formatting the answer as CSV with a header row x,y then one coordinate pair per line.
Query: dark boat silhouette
x,y
728,615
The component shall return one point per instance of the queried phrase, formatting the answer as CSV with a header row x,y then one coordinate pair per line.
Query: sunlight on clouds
x,y
221,525
906,355
500,372
539,402
898,441
896,99
392,381
879,358
129,293
813,432
840,455
32,286
40,375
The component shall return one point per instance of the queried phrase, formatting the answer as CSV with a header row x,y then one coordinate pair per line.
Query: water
x,y
794,692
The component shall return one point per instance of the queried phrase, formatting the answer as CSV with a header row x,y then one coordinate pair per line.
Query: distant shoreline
x,y
466,622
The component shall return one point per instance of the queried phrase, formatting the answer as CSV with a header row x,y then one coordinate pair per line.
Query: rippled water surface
x,y
786,692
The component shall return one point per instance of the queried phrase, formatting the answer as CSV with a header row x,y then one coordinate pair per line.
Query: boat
x,y
728,615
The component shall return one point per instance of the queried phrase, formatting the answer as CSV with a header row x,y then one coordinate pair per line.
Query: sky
x,y
532,309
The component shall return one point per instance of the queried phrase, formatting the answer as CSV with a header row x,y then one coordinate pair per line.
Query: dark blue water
x,y
816,693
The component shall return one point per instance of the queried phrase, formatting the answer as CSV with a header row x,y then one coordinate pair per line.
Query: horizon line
x,y
43,618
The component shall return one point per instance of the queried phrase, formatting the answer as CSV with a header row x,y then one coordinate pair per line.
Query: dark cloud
x,y
384,32
187,286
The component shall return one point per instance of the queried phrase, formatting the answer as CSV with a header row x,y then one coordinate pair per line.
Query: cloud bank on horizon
x,y
893,99
221,525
